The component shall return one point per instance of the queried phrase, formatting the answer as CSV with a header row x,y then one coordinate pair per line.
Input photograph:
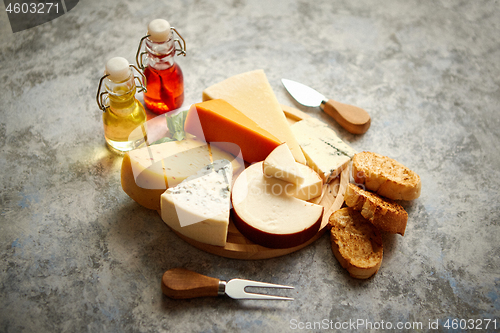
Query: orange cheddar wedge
x,y
218,122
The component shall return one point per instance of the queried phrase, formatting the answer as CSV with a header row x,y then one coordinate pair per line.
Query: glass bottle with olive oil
x,y
124,116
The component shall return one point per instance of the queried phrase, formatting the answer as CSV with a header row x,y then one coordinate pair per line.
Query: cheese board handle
x,y
181,283
354,119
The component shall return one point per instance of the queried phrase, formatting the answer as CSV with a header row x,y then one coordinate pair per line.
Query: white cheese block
x,y
199,206
325,152
148,171
309,188
281,164
167,164
252,94
268,216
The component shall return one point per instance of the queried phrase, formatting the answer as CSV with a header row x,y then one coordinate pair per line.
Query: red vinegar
x,y
165,89
164,79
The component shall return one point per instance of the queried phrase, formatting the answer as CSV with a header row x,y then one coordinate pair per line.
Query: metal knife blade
x,y
303,94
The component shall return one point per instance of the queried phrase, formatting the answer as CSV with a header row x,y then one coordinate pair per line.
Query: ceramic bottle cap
x,y
159,30
118,69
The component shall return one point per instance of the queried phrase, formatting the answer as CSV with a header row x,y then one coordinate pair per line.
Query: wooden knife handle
x,y
355,120
181,283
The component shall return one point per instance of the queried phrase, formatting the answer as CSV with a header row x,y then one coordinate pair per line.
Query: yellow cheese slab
x,y
252,94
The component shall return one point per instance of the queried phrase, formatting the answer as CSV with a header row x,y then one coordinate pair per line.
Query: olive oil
x,y
124,128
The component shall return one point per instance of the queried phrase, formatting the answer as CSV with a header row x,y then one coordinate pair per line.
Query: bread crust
x,y
385,176
356,243
384,214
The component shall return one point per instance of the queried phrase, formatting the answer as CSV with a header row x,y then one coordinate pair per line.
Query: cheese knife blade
x,y
303,94
354,119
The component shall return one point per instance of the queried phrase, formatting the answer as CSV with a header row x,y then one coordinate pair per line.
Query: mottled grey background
x,y
78,255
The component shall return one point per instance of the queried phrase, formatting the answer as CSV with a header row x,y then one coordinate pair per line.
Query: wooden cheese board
x,y
238,247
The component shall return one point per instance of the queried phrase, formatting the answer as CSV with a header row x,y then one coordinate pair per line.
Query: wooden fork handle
x,y
354,119
181,283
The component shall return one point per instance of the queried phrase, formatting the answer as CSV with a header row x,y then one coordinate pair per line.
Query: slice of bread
x,y
385,214
356,243
385,176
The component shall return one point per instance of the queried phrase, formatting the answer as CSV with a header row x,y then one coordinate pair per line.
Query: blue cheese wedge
x,y
198,207
325,152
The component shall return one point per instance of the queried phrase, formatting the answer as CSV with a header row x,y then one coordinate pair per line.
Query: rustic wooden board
x,y
238,247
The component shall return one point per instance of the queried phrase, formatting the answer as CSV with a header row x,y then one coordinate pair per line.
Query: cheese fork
x,y
181,283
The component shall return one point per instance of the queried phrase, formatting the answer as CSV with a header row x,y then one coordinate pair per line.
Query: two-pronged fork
x,y
180,283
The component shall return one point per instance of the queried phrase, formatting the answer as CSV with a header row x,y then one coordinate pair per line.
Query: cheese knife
x,y
354,119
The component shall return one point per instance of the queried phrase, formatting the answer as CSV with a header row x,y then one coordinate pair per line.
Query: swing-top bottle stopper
x,y
159,30
117,69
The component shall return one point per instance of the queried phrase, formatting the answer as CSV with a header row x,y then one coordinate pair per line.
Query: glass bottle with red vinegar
x,y
164,78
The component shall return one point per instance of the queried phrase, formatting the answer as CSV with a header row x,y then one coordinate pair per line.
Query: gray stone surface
x,y
79,255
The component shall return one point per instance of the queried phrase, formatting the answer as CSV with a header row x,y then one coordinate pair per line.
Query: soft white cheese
x,y
281,164
262,202
309,188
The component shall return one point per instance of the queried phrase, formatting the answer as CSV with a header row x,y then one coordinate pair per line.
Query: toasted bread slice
x,y
385,176
385,214
356,243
